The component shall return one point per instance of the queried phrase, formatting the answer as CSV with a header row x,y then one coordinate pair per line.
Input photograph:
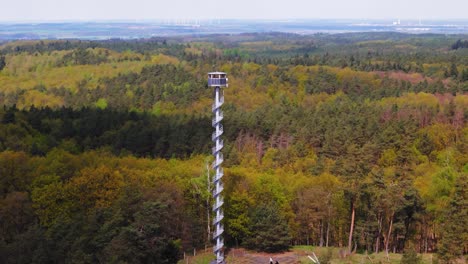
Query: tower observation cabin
x,y
217,79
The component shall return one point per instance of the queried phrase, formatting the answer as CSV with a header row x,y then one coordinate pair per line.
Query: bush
x,y
410,257
326,258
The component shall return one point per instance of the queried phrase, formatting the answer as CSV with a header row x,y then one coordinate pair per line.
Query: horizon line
x,y
23,21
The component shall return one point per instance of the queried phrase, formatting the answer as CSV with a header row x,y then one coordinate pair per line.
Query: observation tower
x,y
218,80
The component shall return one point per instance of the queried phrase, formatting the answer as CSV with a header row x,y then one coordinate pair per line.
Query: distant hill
x,y
146,29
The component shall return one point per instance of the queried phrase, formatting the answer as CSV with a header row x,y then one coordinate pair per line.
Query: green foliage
x,y
455,224
9,116
100,145
99,213
16,172
145,240
327,257
82,56
453,70
101,103
410,256
2,62
460,44
464,75
139,133
237,216
269,231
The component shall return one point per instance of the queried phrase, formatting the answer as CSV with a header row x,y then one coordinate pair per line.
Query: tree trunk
x,y
426,235
351,228
389,233
328,217
340,236
377,240
321,233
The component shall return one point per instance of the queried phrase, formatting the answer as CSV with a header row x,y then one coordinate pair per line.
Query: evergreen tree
x,y
269,230
145,240
9,116
446,73
454,239
453,70
464,75
2,62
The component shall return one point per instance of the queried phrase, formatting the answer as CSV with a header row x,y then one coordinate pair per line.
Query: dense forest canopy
x,y
349,140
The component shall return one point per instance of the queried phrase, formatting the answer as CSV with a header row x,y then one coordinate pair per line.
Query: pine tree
x,y
2,62
453,70
446,73
455,226
269,230
464,75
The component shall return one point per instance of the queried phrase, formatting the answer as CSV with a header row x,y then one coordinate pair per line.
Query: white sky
x,y
35,10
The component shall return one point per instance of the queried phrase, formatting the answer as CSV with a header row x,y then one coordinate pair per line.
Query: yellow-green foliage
x,y
38,99
164,59
25,71
412,100
101,103
100,181
68,76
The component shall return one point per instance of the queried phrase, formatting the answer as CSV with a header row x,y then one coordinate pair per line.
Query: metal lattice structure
x,y
218,80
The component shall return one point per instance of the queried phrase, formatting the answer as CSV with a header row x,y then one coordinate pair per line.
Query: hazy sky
x,y
34,10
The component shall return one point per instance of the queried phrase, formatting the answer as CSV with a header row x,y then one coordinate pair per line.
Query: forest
x,y
356,140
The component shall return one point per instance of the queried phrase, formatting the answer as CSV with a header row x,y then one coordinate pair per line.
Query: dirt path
x,y
241,256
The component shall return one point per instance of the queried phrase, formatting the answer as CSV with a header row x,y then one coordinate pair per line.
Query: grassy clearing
x,y
302,252
380,258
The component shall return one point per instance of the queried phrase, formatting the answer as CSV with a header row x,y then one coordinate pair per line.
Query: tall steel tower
x,y
218,80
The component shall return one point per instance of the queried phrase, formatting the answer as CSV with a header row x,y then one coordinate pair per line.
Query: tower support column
x,y
218,80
